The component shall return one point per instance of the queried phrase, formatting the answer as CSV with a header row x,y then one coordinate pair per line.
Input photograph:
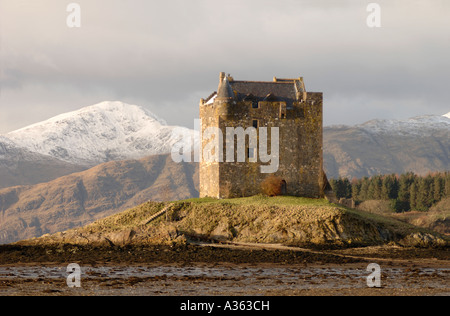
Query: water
x,y
211,280
281,273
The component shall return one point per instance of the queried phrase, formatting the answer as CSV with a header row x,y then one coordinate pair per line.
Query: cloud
x,y
165,55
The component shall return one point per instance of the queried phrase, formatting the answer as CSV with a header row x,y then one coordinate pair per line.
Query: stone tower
x,y
283,106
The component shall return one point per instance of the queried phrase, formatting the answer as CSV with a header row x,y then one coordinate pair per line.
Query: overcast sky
x,y
166,55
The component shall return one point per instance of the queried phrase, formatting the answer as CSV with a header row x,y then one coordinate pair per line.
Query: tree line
x,y
406,192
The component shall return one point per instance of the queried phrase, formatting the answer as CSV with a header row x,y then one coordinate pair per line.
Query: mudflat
x,y
222,269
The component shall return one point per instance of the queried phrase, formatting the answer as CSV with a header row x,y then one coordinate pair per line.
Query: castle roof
x,y
283,90
264,91
225,91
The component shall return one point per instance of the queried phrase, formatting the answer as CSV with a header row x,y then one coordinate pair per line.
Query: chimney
x,y
222,76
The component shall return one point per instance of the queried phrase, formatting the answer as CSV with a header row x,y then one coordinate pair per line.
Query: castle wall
x,y
300,147
209,171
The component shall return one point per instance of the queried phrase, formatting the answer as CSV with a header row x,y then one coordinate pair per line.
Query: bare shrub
x,y
272,186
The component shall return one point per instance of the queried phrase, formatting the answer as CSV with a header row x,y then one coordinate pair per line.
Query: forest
x,y
406,192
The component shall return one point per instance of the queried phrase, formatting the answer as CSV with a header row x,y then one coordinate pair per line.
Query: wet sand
x,y
212,271
223,280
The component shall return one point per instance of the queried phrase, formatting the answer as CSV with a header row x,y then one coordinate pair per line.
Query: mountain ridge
x,y
420,144
46,194
79,198
107,131
19,166
114,131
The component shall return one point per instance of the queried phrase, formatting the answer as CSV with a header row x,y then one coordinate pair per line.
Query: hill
x,y
19,166
32,203
112,131
286,220
419,144
437,218
81,198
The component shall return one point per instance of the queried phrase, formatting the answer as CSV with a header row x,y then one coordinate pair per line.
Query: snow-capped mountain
x,y
10,152
117,131
5,144
19,166
420,125
99,133
419,144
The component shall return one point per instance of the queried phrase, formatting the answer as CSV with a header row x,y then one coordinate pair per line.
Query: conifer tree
x,y
356,188
376,185
438,184
389,188
405,182
363,191
447,185
406,192
412,195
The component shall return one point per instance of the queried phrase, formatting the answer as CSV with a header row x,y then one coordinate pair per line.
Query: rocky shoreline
x,y
211,253
222,270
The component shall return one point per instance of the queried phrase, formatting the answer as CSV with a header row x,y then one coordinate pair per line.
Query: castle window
x,y
255,104
282,110
251,153
255,123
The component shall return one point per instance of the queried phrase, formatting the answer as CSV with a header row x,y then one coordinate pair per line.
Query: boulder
x,y
122,238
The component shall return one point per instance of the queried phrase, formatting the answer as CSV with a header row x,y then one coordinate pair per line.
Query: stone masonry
x,y
282,103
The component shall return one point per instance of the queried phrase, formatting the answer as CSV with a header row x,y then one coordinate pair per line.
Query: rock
x,y
121,238
172,231
422,240
347,202
222,231
99,240
385,234
181,240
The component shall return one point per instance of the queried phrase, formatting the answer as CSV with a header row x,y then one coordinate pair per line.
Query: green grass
x,y
214,209
261,200
256,219
387,222
264,200
208,210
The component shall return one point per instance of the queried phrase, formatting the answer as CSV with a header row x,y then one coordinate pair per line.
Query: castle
x,y
283,106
